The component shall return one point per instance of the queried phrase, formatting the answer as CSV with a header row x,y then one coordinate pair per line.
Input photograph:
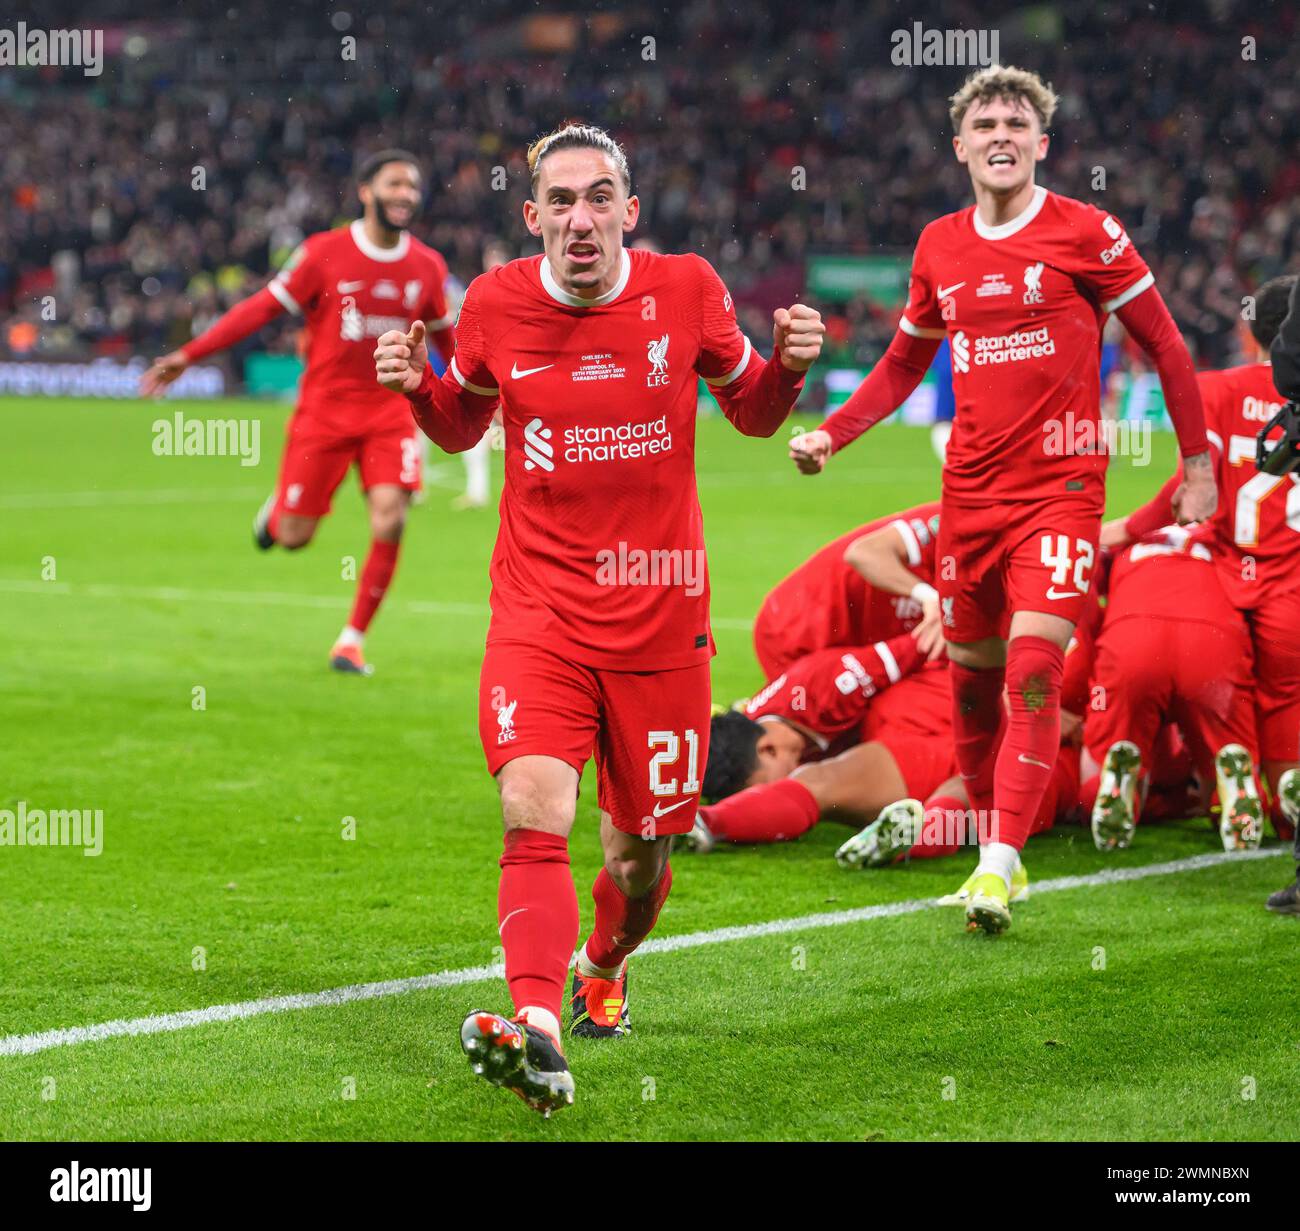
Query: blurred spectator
x,y
211,145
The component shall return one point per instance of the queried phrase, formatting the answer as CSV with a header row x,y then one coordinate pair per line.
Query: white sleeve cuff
x,y
917,332
891,663
481,390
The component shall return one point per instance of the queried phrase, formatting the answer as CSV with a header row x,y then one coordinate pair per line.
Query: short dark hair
x,y
369,167
1272,303
733,755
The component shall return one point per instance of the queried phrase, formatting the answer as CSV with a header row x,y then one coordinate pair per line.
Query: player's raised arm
x,y
441,319
245,318
1147,319
756,396
759,400
902,367
294,289
885,559
451,412
1158,511
1111,268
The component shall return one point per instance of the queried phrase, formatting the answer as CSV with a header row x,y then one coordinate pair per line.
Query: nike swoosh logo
x,y
672,808
516,374
346,288
945,291
1030,761
1053,592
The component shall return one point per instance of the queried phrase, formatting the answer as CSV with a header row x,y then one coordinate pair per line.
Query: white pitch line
x,y
162,1023
260,598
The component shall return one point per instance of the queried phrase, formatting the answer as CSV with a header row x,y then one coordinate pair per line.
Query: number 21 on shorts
x,y
1067,570
670,753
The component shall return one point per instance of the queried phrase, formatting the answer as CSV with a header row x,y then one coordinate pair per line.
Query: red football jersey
x,y
826,694
825,602
919,708
600,555
1168,575
349,292
1255,533
1022,305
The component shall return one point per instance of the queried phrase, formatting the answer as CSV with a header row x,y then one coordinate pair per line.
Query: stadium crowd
x,y
145,222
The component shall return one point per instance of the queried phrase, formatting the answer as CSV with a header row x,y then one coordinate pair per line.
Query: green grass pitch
x,y
1150,1009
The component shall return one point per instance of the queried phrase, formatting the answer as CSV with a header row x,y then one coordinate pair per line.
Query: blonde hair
x,y
575,136
1005,82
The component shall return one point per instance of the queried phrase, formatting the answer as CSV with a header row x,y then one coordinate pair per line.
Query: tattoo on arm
x,y
1198,463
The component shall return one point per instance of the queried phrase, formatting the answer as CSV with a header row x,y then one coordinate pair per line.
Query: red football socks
x,y
622,923
537,914
770,812
947,824
380,565
978,724
1033,736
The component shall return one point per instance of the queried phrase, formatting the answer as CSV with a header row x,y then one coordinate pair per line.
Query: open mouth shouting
x,y
581,252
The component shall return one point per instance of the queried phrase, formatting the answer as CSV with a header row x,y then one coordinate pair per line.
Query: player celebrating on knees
x,y
1255,541
1021,284
350,285
599,641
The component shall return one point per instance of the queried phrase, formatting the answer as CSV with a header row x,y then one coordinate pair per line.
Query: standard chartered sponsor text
x,y
617,443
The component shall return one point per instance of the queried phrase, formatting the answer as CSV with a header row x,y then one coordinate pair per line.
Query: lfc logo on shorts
x,y
657,353
506,721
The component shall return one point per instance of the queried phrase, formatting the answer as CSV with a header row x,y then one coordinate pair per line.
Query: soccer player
x,y
1021,284
1255,541
781,761
1172,649
599,640
349,285
938,820
836,598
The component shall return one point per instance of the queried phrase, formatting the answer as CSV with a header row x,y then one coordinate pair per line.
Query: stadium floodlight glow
x,y
1284,456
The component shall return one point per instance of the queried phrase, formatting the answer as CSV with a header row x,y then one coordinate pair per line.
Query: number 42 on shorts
x,y
1067,569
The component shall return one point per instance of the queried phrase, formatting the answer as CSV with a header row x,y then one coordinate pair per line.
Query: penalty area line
x,y
163,1023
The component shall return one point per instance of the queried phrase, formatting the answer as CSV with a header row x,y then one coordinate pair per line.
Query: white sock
x,y
998,857
589,968
477,472
351,636
543,1019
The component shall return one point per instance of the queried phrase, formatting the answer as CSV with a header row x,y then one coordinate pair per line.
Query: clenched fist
x,y
810,451
400,359
797,335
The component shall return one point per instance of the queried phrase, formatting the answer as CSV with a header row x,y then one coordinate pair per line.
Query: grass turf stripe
x,y
30,1044
173,594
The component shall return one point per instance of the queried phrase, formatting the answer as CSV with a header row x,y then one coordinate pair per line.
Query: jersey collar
x,y
1005,229
560,295
375,253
